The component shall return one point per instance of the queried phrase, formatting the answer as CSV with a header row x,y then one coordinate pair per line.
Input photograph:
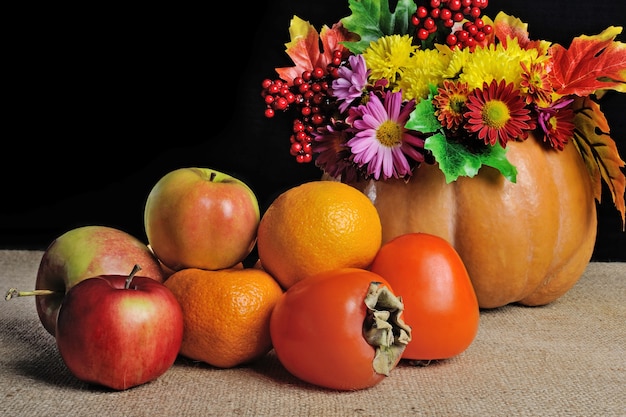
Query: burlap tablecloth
x,y
564,359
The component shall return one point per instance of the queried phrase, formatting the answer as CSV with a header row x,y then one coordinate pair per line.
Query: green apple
x,y
201,218
86,252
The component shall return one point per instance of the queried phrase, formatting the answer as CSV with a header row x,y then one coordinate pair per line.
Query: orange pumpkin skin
x,y
526,242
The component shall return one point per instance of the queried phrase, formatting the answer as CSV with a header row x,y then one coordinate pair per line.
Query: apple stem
x,y
212,176
14,292
136,269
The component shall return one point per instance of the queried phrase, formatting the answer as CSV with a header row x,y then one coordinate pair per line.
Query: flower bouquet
x,y
464,126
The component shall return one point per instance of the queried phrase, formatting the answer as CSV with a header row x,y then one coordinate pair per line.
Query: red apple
x,y
119,331
86,252
201,218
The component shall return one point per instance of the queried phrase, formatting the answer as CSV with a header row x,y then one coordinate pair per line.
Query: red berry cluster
x,y
434,15
309,96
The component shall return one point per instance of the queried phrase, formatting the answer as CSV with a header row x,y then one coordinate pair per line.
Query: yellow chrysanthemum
x,y
496,63
456,61
389,56
426,67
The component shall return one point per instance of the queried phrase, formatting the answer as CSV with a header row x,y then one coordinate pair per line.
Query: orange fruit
x,y
226,313
315,227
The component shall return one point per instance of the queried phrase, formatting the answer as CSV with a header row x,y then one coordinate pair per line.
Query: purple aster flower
x,y
381,142
351,82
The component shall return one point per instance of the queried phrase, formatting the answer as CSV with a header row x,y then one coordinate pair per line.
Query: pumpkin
x,y
526,242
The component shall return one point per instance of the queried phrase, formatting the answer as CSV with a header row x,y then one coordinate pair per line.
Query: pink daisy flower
x,y
351,82
381,143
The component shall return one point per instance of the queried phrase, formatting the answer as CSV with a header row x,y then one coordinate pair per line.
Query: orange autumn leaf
x,y
599,152
304,47
591,63
506,26
510,27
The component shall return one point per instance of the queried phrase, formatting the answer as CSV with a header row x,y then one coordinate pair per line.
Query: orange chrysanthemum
x,y
535,84
450,104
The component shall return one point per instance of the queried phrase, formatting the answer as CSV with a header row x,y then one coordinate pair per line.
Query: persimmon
x,y
340,329
440,303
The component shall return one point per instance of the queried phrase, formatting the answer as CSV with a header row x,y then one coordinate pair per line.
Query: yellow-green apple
x,y
201,218
85,252
119,331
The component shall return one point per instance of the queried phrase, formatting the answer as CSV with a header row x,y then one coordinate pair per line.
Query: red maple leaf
x,y
591,63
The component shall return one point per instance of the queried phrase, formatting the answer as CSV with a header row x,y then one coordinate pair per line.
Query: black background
x,y
102,102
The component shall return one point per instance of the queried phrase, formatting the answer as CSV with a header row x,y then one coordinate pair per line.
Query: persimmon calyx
x,y
384,328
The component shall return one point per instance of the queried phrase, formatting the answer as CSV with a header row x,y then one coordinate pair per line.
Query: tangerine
x,y
226,313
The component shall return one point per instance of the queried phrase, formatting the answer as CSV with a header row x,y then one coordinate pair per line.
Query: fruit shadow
x,y
267,370
35,354
271,370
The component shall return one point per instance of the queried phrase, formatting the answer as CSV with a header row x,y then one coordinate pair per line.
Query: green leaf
x,y
457,160
423,118
496,158
372,19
